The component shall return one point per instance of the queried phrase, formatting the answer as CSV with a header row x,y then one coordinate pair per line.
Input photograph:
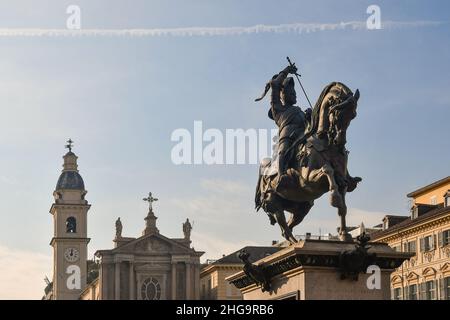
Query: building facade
x,y
426,233
70,240
148,267
213,285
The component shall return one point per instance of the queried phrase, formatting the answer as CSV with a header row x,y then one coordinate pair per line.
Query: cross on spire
x,y
69,145
150,199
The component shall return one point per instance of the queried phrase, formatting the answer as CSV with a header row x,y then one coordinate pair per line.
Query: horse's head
x,y
340,116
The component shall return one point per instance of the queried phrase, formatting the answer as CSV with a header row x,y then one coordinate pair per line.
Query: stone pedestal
x,y
318,269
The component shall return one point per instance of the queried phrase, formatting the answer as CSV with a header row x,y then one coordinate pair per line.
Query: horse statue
x,y
316,162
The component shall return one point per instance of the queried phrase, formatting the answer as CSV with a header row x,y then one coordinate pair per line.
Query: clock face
x,y
71,255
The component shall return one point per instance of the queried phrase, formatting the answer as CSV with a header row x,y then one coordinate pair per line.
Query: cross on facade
x,y
150,199
69,145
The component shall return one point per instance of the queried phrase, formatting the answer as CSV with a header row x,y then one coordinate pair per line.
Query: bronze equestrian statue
x,y
311,158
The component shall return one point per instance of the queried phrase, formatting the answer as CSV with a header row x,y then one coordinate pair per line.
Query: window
x,y
446,289
151,289
229,289
397,248
414,212
430,290
447,199
433,200
444,238
412,292
410,246
427,243
397,294
71,225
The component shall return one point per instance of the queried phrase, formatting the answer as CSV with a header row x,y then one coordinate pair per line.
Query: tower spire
x,y
70,159
69,145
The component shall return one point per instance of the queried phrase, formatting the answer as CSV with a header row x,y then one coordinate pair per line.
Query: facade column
x,y
188,280
117,282
131,281
174,280
103,287
197,282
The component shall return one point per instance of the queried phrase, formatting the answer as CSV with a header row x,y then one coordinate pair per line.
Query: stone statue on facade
x,y
312,158
118,228
187,228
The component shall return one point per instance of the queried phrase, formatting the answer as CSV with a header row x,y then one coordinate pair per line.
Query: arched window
x,y
71,225
151,289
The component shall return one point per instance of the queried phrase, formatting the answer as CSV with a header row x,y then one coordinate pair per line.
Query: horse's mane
x,y
315,117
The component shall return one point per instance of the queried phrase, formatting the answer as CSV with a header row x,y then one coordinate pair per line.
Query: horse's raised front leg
x,y
336,199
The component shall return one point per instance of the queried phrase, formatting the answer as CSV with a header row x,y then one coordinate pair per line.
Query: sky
x,y
121,94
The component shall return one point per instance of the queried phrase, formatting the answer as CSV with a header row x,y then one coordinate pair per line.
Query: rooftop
x,y
408,222
256,253
428,187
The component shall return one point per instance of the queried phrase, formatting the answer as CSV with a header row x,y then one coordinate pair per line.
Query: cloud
x,y
22,273
222,202
295,28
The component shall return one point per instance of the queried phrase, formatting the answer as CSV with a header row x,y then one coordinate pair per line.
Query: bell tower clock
x,y
70,240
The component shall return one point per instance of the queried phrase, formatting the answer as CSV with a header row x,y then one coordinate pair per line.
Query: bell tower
x,y
69,242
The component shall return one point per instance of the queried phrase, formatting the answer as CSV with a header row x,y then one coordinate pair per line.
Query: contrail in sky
x,y
292,28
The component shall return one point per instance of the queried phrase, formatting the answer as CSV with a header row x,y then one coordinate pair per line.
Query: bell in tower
x,y
70,239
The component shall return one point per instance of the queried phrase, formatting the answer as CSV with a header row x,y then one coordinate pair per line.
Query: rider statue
x,y
290,119
312,158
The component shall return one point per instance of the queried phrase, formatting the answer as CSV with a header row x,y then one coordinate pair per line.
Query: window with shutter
x,y
447,288
397,294
430,290
413,246
446,238
412,292
422,293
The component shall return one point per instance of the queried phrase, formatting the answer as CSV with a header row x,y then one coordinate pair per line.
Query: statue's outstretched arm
x,y
277,83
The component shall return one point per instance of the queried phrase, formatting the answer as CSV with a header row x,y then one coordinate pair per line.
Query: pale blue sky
x,y
120,98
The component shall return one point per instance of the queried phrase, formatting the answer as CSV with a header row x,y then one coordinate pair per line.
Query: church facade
x,y
148,267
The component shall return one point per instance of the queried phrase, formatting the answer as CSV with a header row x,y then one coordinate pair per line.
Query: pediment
x,y
412,276
152,243
428,272
396,279
445,267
